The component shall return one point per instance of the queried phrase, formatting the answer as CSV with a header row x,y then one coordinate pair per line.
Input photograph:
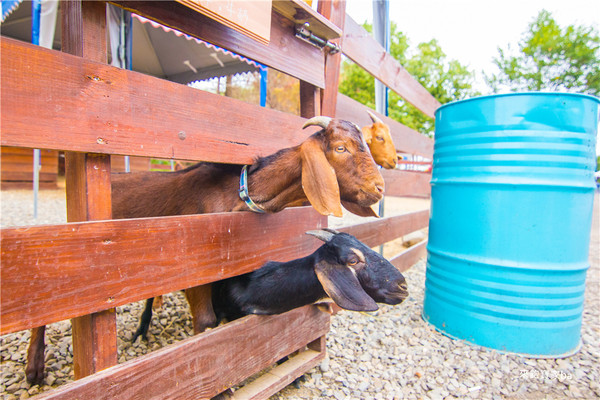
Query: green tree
x,y
446,80
551,58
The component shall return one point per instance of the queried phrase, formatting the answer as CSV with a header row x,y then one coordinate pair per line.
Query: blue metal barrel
x,y
511,211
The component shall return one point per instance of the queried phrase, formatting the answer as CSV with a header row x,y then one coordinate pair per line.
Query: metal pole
x,y
36,12
381,31
263,86
36,180
125,56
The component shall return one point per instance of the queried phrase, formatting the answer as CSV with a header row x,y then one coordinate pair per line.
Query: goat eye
x,y
340,149
380,138
353,262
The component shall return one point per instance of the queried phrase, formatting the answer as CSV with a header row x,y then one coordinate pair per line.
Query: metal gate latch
x,y
303,32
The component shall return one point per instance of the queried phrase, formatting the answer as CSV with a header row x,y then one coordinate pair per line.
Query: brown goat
x,y
380,142
330,168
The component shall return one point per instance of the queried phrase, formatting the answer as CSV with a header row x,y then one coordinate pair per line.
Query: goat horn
x,y
374,118
324,235
321,121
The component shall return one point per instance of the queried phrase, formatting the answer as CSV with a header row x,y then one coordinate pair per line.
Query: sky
x,y
470,31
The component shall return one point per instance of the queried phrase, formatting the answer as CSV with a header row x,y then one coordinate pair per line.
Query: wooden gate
x,y
73,101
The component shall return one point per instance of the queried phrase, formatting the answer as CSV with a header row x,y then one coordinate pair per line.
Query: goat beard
x,y
359,210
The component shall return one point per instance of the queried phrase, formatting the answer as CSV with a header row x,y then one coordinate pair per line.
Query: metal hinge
x,y
303,32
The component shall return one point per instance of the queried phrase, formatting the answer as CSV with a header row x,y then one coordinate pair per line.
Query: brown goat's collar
x,y
243,192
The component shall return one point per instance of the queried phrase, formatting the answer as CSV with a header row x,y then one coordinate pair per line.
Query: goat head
x,y
337,168
380,142
354,276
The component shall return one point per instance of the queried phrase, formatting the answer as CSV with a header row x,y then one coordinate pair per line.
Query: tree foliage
x,y
551,58
446,80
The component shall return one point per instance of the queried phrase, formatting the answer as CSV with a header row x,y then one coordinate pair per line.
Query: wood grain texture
x,y
387,229
335,11
103,109
310,100
285,52
136,164
28,176
131,260
363,49
94,342
252,18
88,193
407,183
405,139
410,256
88,188
18,159
27,185
279,377
84,29
204,365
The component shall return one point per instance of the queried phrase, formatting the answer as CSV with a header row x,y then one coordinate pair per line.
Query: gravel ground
x,y
388,354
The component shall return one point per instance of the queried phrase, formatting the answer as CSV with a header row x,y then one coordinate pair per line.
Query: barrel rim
x,y
519,94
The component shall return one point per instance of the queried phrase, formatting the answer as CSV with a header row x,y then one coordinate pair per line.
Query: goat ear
x,y
318,179
367,132
343,287
359,210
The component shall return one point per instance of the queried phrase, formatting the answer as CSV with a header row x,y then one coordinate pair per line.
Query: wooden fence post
x,y
335,11
88,188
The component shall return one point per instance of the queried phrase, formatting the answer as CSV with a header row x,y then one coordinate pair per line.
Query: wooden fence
x,y
73,101
17,168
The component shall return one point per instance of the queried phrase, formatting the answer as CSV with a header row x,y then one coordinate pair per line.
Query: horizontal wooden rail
x,y
407,183
63,102
284,52
279,377
360,46
55,272
386,229
405,139
246,346
410,256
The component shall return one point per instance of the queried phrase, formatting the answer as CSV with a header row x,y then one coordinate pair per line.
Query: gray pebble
x,y
13,388
325,364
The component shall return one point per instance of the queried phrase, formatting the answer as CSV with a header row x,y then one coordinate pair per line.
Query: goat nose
x,y
403,286
380,188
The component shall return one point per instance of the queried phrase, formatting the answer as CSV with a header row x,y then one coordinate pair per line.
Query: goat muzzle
x,y
402,293
372,193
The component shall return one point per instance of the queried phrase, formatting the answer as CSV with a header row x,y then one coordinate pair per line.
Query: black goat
x,y
343,269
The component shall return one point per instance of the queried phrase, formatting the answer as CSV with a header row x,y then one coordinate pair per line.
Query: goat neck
x,y
273,289
275,182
